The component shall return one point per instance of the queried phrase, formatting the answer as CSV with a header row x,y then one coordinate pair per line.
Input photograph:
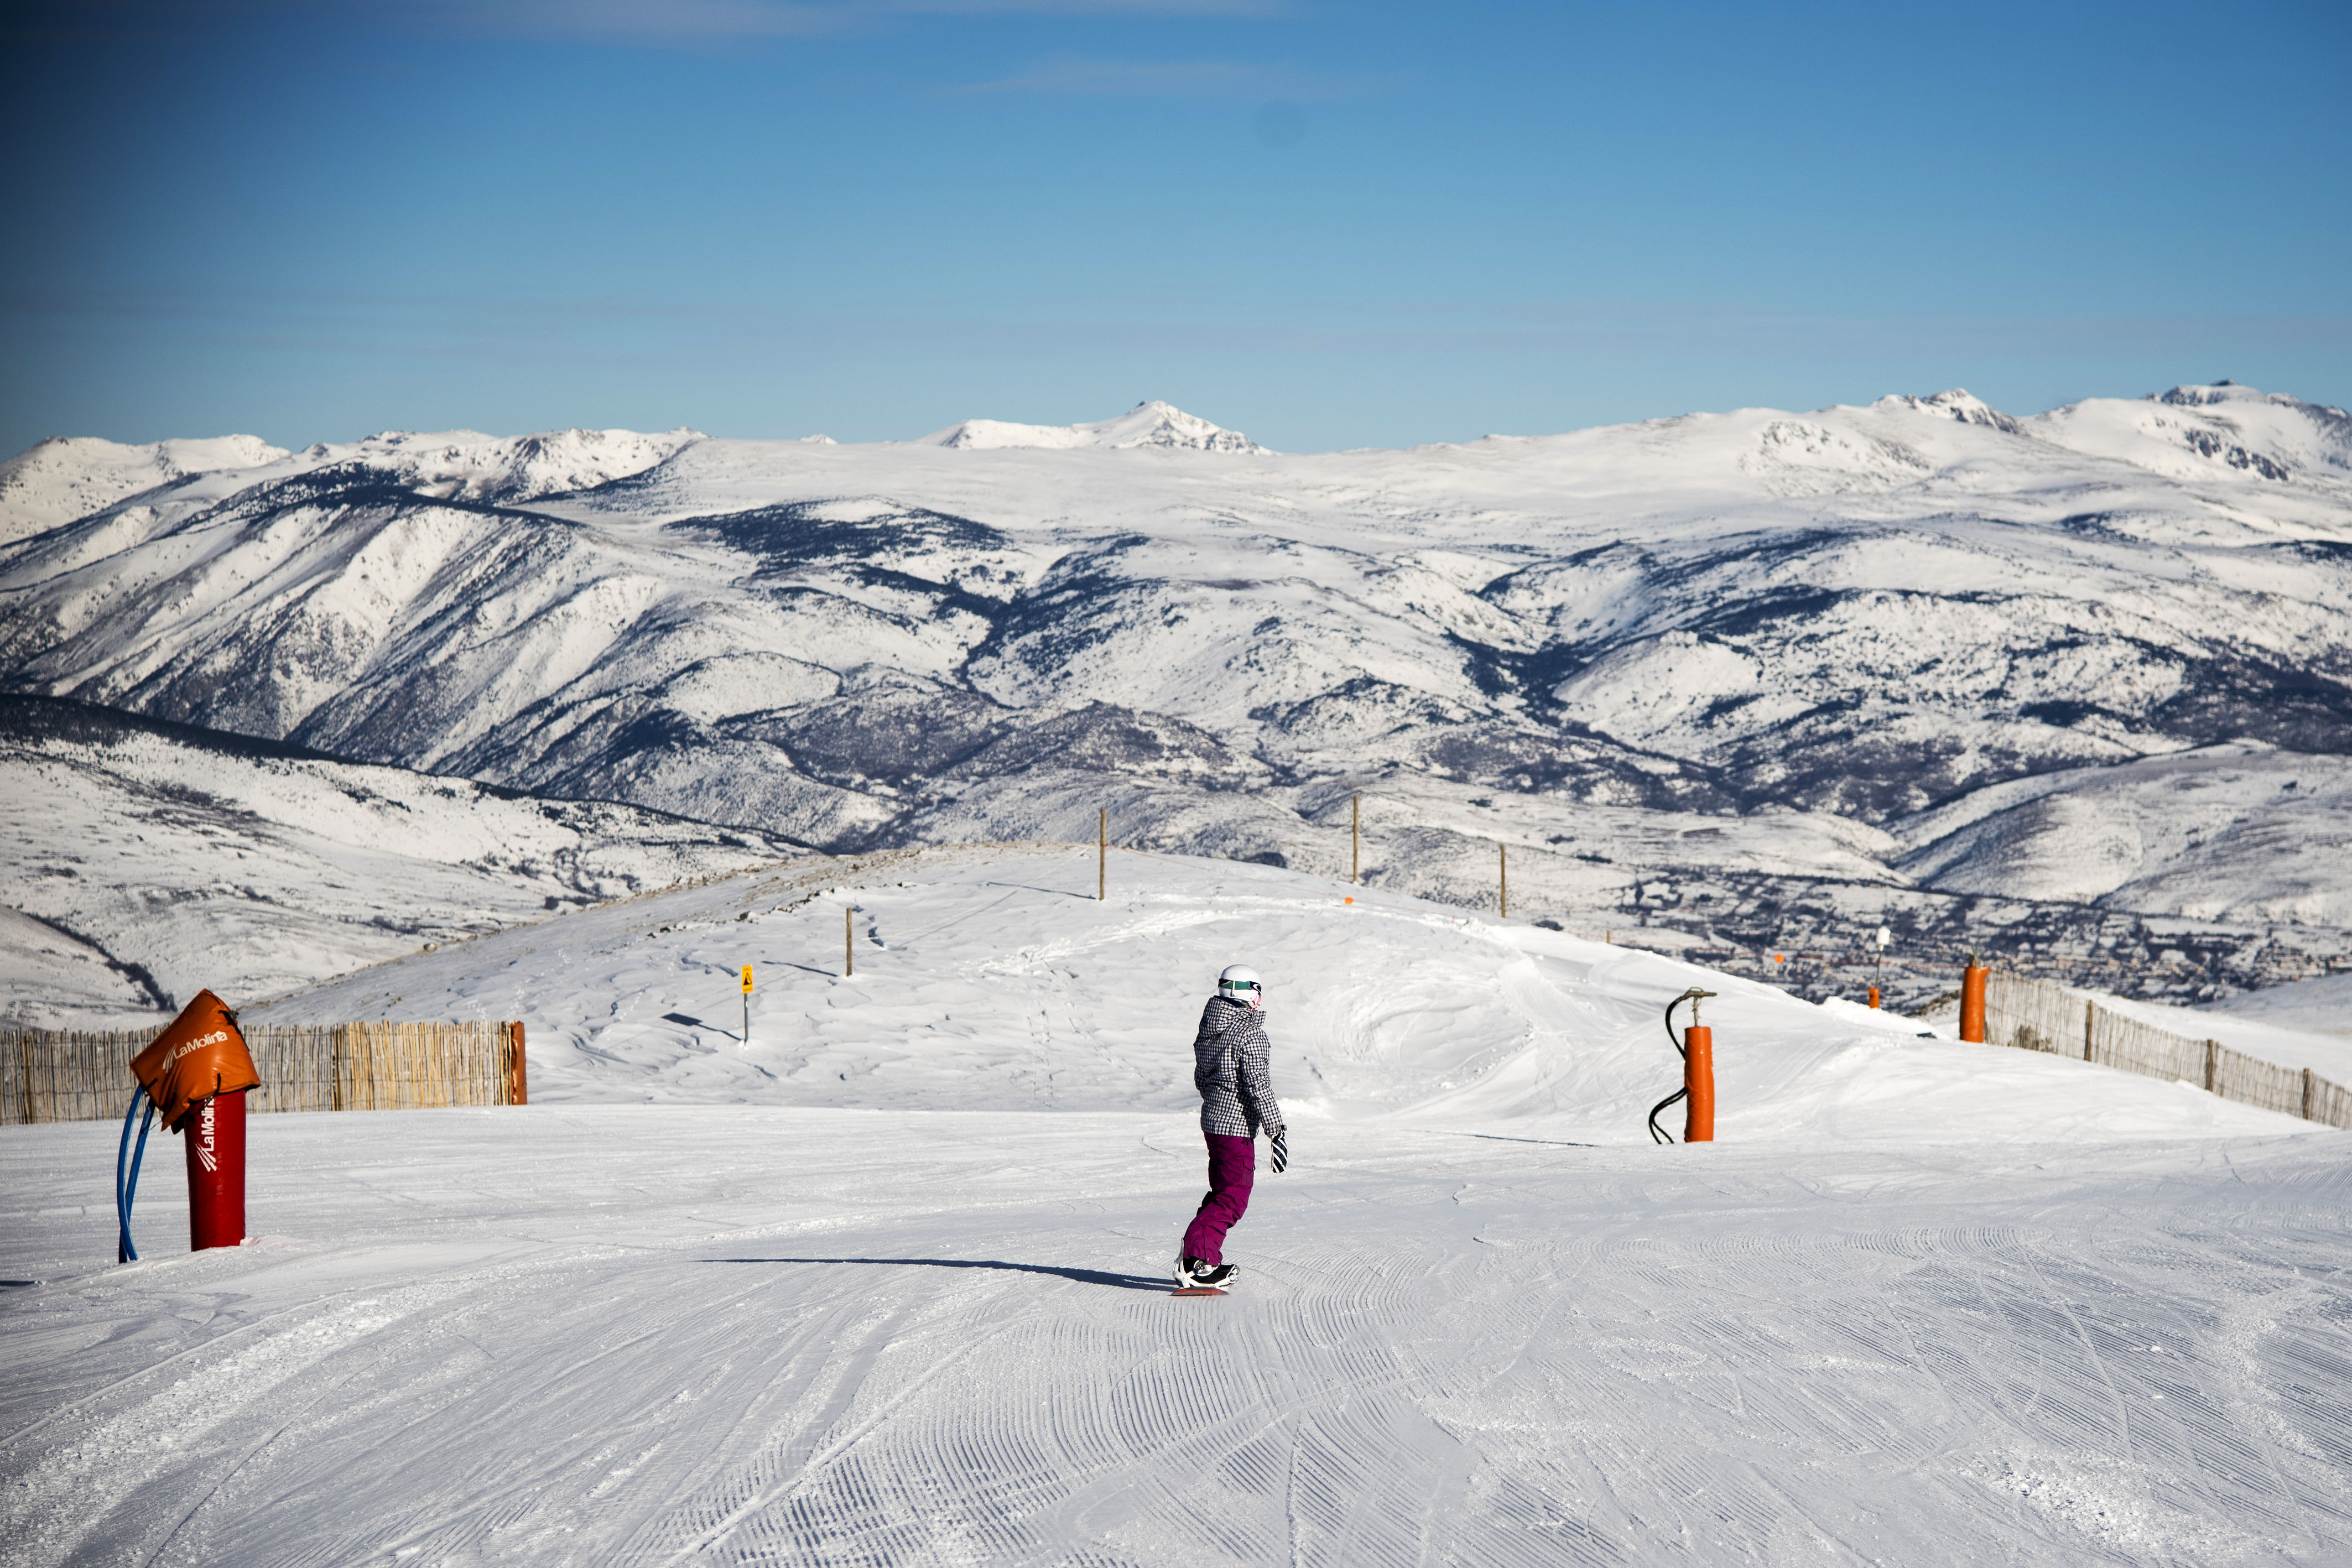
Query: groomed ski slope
x,y
1922,1303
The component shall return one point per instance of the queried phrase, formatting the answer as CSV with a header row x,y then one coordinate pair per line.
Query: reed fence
x,y
2035,1015
84,1075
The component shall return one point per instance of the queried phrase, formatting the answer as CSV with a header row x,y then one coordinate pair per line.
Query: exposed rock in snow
x,y
2223,431
466,464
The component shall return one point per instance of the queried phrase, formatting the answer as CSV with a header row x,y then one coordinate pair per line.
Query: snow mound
x,y
1146,424
989,977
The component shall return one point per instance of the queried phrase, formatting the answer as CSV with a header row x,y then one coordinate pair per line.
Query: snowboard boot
x,y
1195,1274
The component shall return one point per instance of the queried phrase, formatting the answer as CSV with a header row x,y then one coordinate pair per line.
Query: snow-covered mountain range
x,y
2076,686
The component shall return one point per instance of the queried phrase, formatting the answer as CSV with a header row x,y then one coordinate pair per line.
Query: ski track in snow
x,y
685,1334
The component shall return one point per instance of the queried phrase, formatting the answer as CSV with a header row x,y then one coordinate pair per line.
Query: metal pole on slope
x,y
1102,855
849,951
747,1004
1502,866
1356,840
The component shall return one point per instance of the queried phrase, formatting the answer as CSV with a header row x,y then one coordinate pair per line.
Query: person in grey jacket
x,y
1230,1070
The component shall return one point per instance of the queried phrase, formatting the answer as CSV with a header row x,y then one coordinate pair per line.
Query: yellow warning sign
x,y
747,979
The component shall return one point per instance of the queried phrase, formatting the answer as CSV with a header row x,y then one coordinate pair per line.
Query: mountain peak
x,y
1960,405
1148,423
2224,391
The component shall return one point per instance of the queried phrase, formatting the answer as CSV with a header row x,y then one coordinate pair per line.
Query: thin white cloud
x,y
627,18
1082,76
766,18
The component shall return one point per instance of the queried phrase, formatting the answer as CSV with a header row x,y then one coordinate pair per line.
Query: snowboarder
x,y
1229,1068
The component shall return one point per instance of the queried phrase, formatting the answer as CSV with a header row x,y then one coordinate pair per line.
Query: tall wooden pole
x,y
1102,855
849,951
1503,865
1356,840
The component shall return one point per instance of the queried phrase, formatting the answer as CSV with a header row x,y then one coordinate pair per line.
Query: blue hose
x,y
124,1191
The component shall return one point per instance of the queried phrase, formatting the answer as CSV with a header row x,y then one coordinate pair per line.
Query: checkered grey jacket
x,y
1228,1069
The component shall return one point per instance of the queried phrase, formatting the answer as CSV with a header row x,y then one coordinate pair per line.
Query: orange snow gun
x,y
195,1073
1695,1046
202,1054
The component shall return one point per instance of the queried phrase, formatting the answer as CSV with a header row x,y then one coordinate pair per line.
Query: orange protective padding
x,y
1972,990
519,1081
200,1055
1698,1078
1873,995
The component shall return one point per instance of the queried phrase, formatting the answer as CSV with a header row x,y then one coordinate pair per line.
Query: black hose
x,y
1671,1038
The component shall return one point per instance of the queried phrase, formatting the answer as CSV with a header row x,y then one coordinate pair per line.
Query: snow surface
x,y
2291,1036
1756,679
901,1300
989,977
2322,1007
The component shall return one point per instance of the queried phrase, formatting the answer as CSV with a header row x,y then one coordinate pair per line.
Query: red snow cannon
x,y
196,1074
1696,1045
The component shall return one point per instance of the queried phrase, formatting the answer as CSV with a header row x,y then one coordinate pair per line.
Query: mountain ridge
x,y
1663,660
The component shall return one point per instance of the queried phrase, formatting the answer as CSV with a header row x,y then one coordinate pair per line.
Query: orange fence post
x,y
1972,1001
518,1077
1698,1081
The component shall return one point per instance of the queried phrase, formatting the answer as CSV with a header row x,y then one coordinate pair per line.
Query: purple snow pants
x,y
1232,1163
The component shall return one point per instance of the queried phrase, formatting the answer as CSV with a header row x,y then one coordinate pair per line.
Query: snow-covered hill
x,y
1149,424
66,478
144,861
1743,677
989,977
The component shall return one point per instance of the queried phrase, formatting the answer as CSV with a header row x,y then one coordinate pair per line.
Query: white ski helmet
x,y
1240,983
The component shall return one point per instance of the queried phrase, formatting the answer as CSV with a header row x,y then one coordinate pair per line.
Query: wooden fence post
x,y
2090,1021
2212,1050
519,1074
2306,1093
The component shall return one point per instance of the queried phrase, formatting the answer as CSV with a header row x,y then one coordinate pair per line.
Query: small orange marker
x,y
1346,900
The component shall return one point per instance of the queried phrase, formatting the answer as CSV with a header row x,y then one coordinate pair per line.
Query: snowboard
x,y
1200,1289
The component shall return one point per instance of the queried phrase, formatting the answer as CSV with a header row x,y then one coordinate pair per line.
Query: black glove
x,y
1280,1147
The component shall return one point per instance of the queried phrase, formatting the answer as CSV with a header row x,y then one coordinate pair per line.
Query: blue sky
x,y
1327,226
